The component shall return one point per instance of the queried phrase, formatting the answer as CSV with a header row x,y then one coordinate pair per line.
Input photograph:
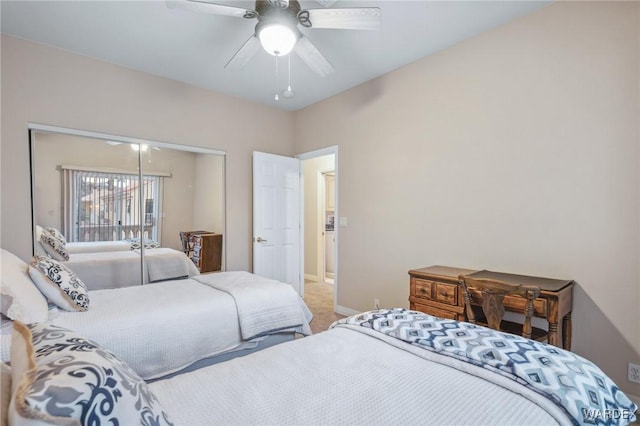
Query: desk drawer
x,y
422,288
446,293
514,303
435,290
441,313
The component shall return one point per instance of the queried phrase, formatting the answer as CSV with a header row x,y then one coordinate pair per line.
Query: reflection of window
x,y
104,206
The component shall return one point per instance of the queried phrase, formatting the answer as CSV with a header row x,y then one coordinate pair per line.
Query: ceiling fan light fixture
x,y
277,39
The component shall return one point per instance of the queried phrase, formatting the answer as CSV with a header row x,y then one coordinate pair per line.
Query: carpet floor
x,y
319,298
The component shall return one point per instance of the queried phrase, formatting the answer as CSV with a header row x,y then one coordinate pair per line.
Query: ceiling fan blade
x,y
358,18
216,9
311,56
244,54
326,3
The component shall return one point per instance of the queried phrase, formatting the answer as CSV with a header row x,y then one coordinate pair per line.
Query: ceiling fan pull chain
x,y
277,97
289,92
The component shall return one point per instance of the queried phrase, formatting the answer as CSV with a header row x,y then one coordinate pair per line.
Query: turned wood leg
x,y
553,334
566,332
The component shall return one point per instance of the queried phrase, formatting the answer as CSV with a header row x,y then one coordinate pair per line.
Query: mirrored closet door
x,y
109,194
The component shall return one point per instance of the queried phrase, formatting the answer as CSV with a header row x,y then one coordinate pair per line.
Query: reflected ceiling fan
x,y
277,28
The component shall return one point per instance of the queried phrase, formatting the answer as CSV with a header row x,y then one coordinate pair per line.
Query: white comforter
x,y
263,304
123,268
343,376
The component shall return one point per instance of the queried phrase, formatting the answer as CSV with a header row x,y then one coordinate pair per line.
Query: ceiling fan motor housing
x,y
283,15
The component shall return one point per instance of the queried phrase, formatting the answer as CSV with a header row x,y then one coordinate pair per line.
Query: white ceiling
x,y
194,48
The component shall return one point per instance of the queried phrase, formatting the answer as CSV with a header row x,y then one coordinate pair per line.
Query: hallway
x,y
319,298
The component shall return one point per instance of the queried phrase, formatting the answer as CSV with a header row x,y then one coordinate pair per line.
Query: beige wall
x,y
51,86
311,170
518,151
208,212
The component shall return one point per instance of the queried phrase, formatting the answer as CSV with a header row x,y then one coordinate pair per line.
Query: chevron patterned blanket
x,y
574,384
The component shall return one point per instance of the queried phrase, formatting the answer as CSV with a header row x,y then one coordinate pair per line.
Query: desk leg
x,y
566,332
554,338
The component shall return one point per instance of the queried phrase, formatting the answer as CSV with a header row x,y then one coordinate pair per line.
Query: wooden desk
x,y
435,290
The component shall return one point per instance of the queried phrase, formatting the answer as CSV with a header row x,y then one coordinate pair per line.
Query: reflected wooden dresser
x,y
205,250
435,291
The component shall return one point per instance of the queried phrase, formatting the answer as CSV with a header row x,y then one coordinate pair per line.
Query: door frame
x,y
321,213
307,156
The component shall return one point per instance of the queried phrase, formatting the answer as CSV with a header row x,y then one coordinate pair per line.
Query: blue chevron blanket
x,y
576,385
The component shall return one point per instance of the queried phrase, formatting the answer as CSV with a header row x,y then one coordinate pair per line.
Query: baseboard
x,y
345,311
309,277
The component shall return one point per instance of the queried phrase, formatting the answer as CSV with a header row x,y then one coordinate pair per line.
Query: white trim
x,y
318,153
345,311
121,139
111,170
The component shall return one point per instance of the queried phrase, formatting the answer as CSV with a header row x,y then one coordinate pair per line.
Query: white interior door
x,y
277,218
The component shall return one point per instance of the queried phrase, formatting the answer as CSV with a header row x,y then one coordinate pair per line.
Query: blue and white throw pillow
x,y
68,379
53,246
59,284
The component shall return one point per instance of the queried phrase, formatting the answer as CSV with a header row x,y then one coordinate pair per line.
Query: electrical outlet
x,y
376,304
634,373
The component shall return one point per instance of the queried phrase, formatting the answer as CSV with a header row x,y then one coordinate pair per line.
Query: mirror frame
x,y
34,128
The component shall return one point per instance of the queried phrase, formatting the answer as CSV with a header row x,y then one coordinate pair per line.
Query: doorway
x,y
320,223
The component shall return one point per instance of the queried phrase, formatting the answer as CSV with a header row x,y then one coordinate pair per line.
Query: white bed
x,y
394,367
105,270
353,374
162,328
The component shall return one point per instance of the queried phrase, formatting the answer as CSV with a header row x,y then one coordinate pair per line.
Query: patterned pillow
x,y
57,234
68,379
148,244
53,246
59,284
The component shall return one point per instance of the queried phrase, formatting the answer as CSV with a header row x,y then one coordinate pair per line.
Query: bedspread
x,y
343,377
572,383
156,329
264,305
166,263
117,269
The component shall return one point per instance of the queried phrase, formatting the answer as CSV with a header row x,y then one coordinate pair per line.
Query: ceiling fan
x,y
277,28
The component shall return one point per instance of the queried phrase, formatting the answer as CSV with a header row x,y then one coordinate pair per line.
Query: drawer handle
x,y
422,290
444,294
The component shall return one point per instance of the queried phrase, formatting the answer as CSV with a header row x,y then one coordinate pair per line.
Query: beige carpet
x,y
319,299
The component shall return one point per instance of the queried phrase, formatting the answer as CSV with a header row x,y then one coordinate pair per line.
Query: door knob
x,y
261,240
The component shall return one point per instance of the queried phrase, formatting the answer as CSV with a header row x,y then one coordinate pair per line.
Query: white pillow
x,y
59,284
20,298
62,378
53,246
38,249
